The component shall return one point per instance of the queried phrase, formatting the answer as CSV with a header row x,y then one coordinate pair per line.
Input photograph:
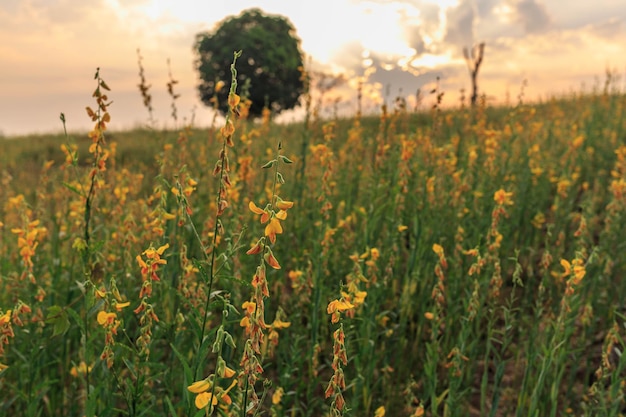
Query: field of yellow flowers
x,y
444,263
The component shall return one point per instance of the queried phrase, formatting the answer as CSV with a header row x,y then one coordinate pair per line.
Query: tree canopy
x,y
271,61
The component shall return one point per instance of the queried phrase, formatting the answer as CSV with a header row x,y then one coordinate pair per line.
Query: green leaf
x,y
219,339
76,318
61,325
73,189
170,407
58,318
130,367
228,339
441,397
92,404
53,313
285,159
186,371
269,164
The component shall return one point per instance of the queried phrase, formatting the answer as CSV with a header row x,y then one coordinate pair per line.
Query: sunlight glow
x,y
376,29
430,61
504,12
445,4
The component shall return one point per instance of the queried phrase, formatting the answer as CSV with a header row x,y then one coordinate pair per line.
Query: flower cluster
x,y
207,393
101,117
107,318
336,307
148,317
439,290
337,381
272,337
272,218
28,238
110,323
149,267
6,333
254,310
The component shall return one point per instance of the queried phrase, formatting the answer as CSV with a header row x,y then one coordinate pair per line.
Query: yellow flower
x,y
199,386
81,369
279,324
579,273
270,259
228,129
265,215
503,198
233,100
273,228
359,297
402,228
539,220
282,204
257,248
153,261
567,267
120,306
438,249
380,412
249,306
335,308
337,305
141,262
295,274
152,253
277,396
203,399
228,372
106,319
168,216
5,318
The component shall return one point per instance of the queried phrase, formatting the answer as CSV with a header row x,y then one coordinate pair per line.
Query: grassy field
x,y
444,263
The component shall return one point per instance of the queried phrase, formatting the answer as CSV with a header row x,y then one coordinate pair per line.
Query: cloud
x,y
608,29
532,15
63,11
420,33
460,25
547,59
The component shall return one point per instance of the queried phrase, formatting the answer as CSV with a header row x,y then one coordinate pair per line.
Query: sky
x,y
50,49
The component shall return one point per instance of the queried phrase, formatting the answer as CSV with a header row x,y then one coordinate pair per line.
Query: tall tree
x,y
271,63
